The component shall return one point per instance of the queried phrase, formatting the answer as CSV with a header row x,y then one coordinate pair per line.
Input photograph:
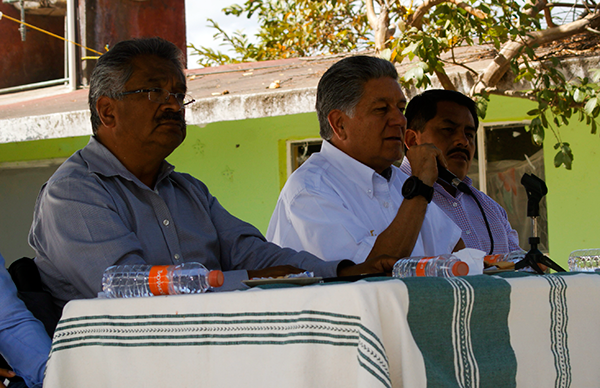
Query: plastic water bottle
x,y
437,266
130,281
584,260
512,257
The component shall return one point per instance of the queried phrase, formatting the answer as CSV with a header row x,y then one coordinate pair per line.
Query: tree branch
x,y
511,49
417,17
510,93
445,80
380,24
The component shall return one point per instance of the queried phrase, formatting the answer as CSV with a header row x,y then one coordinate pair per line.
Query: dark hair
x,y
114,68
423,107
342,86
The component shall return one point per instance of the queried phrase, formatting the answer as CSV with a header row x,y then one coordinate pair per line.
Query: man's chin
x,y
460,168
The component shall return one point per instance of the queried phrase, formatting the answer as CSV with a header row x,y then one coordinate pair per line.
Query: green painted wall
x,y
41,149
239,161
244,163
572,200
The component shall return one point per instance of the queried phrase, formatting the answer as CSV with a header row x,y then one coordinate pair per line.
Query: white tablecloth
x,y
529,331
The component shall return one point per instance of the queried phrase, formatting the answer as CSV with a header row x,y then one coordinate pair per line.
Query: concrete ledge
x,y
52,126
251,106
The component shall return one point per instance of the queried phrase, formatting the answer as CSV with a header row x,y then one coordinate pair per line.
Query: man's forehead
x,y
383,89
450,112
155,68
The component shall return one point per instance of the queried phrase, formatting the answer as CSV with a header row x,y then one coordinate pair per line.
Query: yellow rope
x,y
47,32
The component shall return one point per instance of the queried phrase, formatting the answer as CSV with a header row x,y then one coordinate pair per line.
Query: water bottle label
x,y
490,259
420,270
158,281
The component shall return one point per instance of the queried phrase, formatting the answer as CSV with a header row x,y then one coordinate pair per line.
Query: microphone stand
x,y
536,189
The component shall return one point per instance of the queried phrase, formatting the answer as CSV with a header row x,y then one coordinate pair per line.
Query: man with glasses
x,y
117,201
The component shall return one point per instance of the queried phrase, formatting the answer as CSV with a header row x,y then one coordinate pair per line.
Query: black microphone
x,y
452,180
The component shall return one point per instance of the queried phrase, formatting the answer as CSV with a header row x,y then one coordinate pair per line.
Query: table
x,y
489,331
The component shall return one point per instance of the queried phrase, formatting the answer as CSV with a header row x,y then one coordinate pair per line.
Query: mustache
x,y
172,116
459,149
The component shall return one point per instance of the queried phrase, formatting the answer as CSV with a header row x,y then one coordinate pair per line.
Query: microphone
x,y
452,180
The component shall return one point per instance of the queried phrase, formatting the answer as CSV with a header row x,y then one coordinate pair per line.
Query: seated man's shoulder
x,y
73,168
312,176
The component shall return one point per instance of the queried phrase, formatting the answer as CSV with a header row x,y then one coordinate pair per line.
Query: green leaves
x,y
292,28
564,156
429,37
537,130
590,106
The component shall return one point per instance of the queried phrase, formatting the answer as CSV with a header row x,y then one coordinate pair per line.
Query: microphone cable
x,y
487,224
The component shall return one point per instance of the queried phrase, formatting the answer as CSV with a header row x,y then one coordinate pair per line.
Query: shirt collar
x,y
355,171
101,161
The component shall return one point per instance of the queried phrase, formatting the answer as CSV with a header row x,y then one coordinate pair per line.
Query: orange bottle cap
x,y
460,268
215,278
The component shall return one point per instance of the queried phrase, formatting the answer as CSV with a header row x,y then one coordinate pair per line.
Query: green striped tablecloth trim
x,y
461,327
227,329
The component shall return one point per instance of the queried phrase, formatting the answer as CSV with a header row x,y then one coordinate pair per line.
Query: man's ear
x,y
336,120
106,111
411,138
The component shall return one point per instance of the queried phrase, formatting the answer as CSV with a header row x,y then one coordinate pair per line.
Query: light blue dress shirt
x,y
93,213
24,343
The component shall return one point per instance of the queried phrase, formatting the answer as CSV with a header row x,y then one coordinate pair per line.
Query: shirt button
x,y
385,204
176,256
369,191
166,222
455,204
467,232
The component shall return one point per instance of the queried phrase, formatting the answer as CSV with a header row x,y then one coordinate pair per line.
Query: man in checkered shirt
x,y
448,120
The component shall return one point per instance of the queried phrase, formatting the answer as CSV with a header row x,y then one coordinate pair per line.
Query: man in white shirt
x,y
349,201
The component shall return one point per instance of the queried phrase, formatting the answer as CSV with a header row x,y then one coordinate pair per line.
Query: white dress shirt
x,y
334,207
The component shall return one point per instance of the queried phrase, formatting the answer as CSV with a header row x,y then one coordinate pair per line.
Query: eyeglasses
x,y
161,96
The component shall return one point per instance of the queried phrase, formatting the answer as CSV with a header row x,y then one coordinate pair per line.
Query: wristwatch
x,y
413,186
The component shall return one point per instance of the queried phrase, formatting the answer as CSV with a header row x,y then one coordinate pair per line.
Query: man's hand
x,y
424,160
5,373
274,272
379,264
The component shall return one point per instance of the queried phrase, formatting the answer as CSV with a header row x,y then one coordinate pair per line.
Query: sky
x,y
198,32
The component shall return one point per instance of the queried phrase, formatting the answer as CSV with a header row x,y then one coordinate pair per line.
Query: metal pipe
x,y
36,85
22,28
71,51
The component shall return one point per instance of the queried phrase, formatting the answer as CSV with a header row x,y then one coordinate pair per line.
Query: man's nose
x,y
398,118
173,103
460,137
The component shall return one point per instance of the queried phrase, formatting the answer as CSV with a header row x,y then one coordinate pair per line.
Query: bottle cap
x,y
215,278
460,268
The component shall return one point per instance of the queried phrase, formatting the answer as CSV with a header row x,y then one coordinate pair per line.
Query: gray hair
x,y
114,68
342,86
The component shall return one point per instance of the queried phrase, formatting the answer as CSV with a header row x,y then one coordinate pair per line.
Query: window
x,y
504,154
298,152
